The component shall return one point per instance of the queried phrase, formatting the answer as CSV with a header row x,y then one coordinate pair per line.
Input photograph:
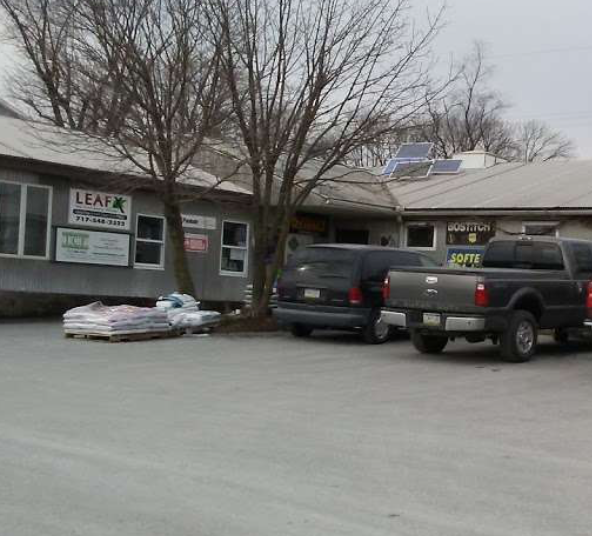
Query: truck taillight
x,y
386,288
355,296
481,295
589,299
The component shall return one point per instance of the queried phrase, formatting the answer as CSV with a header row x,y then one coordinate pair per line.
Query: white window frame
x,y
434,245
246,248
23,222
553,224
144,266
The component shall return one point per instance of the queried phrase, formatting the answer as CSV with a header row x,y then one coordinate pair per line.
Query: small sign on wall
x,y
193,221
98,209
464,257
469,233
92,247
196,243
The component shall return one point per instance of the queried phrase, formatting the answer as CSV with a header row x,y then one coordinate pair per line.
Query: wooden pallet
x,y
122,337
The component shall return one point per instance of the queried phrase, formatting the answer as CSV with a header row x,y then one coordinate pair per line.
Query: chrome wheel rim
x,y
525,337
381,329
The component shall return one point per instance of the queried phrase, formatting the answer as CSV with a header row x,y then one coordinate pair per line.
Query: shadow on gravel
x,y
460,352
487,354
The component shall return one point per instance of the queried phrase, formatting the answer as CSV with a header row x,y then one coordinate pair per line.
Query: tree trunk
x,y
182,272
259,265
269,274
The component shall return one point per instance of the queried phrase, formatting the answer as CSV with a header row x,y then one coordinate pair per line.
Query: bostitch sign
x,y
98,209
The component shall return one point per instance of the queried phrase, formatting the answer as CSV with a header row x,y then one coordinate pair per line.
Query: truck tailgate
x,y
435,290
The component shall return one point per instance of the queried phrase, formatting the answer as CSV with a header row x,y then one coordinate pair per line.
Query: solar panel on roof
x,y
414,151
442,167
390,167
415,170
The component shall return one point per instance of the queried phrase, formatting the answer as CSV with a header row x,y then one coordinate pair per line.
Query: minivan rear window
x,y
328,262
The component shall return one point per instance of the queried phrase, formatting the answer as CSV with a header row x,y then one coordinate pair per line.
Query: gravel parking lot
x,y
267,435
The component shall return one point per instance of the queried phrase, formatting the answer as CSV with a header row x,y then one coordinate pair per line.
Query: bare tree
x,y
470,115
535,141
304,72
136,76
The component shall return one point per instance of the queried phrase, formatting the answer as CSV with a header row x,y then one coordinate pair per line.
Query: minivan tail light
x,y
589,299
355,296
481,295
386,288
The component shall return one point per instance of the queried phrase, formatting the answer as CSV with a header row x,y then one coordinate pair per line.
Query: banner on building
x,y
469,233
194,221
196,243
98,209
464,257
306,223
92,247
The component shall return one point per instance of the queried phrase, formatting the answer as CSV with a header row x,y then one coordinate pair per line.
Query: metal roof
x,y
513,186
31,141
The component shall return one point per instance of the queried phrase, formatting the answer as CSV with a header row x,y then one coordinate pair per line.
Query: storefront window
x,y
150,239
541,228
235,237
24,220
421,236
36,221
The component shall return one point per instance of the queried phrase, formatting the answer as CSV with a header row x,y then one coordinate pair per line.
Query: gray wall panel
x,y
41,276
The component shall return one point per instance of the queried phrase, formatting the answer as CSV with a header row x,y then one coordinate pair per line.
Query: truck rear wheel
x,y
518,342
428,344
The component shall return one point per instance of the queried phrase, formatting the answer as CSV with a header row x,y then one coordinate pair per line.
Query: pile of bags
x,y
183,312
100,319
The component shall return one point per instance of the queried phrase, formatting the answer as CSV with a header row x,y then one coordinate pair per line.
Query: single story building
x,y
78,224
452,217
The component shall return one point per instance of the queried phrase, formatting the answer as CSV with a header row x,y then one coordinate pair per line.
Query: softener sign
x,y
464,257
99,209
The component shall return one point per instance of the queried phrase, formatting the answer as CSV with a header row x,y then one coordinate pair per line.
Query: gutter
x,y
565,211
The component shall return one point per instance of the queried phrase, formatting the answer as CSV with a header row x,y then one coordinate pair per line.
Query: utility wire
x,y
542,52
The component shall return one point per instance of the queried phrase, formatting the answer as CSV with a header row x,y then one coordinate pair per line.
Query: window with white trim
x,y
541,228
420,236
150,241
235,248
25,220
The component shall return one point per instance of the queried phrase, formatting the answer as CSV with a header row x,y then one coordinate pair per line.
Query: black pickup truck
x,y
523,285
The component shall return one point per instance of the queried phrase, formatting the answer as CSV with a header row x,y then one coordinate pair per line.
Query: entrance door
x,y
352,236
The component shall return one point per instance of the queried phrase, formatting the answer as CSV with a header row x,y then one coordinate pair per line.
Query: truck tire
x,y
300,331
518,342
376,332
428,344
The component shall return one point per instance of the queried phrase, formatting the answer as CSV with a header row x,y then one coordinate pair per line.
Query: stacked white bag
x,y
183,311
100,319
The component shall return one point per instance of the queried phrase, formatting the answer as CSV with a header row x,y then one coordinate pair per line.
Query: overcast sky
x,y
542,50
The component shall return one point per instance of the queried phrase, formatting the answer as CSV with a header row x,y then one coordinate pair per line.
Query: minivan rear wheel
x,y
377,331
300,330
